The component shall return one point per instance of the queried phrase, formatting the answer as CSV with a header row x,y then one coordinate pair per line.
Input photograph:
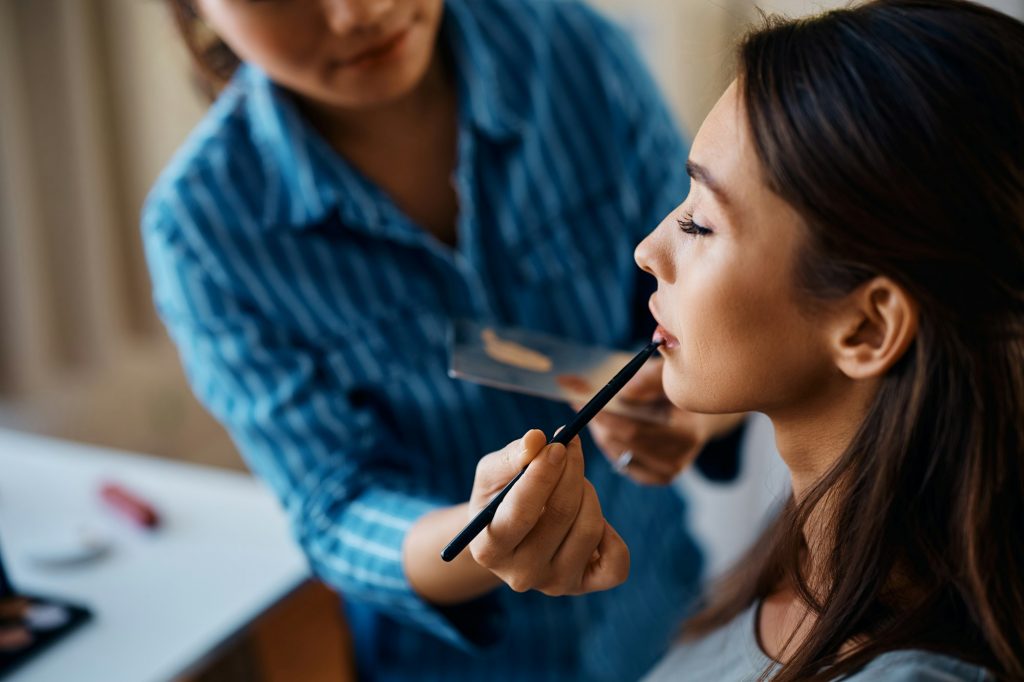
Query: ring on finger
x,y
623,461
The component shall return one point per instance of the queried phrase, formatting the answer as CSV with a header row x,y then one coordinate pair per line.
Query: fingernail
x,y
557,453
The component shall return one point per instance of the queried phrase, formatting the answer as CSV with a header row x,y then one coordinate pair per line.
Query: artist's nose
x,y
346,16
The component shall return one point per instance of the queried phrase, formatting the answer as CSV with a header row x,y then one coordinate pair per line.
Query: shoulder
x,y
539,13
576,75
559,39
216,175
919,666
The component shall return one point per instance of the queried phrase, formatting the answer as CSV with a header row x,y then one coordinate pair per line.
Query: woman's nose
x,y
644,254
345,16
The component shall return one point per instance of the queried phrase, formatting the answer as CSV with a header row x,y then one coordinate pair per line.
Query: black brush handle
x,y
582,418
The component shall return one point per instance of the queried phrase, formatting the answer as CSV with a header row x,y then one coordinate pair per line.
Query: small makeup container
x,y
29,623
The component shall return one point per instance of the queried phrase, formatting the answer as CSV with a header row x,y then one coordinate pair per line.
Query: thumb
x,y
530,445
498,468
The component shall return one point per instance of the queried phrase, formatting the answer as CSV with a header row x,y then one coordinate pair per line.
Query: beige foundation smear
x,y
514,354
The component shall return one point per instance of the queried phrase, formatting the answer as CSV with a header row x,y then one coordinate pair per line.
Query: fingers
x,y
611,567
531,444
638,472
577,551
664,465
575,386
549,532
560,512
645,386
525,503
660,451
495,470
616,434
607,427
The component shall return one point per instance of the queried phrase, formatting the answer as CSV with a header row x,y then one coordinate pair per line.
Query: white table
x,y
162,602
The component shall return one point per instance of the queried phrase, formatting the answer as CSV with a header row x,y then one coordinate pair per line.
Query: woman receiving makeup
x,y
850,262
372,170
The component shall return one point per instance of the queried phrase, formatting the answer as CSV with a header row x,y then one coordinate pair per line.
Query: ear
x,y
873,328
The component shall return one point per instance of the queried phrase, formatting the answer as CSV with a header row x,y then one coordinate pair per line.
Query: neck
x,y
812,437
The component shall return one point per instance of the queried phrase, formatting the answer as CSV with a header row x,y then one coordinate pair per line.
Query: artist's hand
x,y
549,533
658,451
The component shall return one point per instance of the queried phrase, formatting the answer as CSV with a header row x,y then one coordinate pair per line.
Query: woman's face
x,y
726,300
353,54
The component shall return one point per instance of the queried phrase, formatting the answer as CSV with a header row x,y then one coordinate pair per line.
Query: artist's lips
x,y
668,341
378,51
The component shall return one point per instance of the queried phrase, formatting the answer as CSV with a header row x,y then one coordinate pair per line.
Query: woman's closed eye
x,y
687,225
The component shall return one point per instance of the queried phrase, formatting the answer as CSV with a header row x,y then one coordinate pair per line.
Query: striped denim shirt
x,y
311,318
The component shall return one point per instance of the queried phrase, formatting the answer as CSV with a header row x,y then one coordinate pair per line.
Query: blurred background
x,y
94,98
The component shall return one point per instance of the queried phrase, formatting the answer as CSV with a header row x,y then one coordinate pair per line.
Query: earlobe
x,y
875,326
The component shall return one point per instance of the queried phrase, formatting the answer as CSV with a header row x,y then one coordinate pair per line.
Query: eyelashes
x,y
689,227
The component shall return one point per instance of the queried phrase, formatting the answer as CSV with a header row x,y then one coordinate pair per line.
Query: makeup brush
x,y
582,418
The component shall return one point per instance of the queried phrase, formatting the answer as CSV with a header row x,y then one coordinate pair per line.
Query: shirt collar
x,y
490,107
299,190
307,180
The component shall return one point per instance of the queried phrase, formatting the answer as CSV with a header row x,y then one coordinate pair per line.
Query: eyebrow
x,y
701,175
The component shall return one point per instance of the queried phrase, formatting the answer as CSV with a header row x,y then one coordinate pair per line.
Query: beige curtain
x,y
64,275
94,98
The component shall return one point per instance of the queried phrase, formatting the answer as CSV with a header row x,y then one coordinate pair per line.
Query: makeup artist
x,y
371,170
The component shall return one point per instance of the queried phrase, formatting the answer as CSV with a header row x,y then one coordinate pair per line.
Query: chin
x,y
696,395
369,93
682,393
379,86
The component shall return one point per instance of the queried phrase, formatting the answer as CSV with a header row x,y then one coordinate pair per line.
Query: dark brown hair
x,y
213,60
895,130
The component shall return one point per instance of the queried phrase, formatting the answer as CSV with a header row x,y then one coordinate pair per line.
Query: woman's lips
x,y
661,335
668,342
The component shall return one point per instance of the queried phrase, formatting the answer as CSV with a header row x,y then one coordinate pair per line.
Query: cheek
x,y
431,9
744,346
283,45
294,49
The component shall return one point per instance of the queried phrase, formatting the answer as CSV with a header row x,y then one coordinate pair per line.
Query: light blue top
x,y
310,314
732,654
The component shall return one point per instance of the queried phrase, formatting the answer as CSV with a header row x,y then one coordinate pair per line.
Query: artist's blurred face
x,y
351,54
726,300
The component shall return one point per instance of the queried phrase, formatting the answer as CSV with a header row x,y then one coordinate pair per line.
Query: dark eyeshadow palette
x,y
30,624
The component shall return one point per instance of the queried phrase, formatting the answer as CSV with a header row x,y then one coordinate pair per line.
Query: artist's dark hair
x,y
213,60
896,130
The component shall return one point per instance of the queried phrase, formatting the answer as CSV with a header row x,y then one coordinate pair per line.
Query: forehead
x,y
724,147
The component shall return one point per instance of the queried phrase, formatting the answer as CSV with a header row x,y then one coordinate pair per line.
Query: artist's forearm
x,y
435,580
